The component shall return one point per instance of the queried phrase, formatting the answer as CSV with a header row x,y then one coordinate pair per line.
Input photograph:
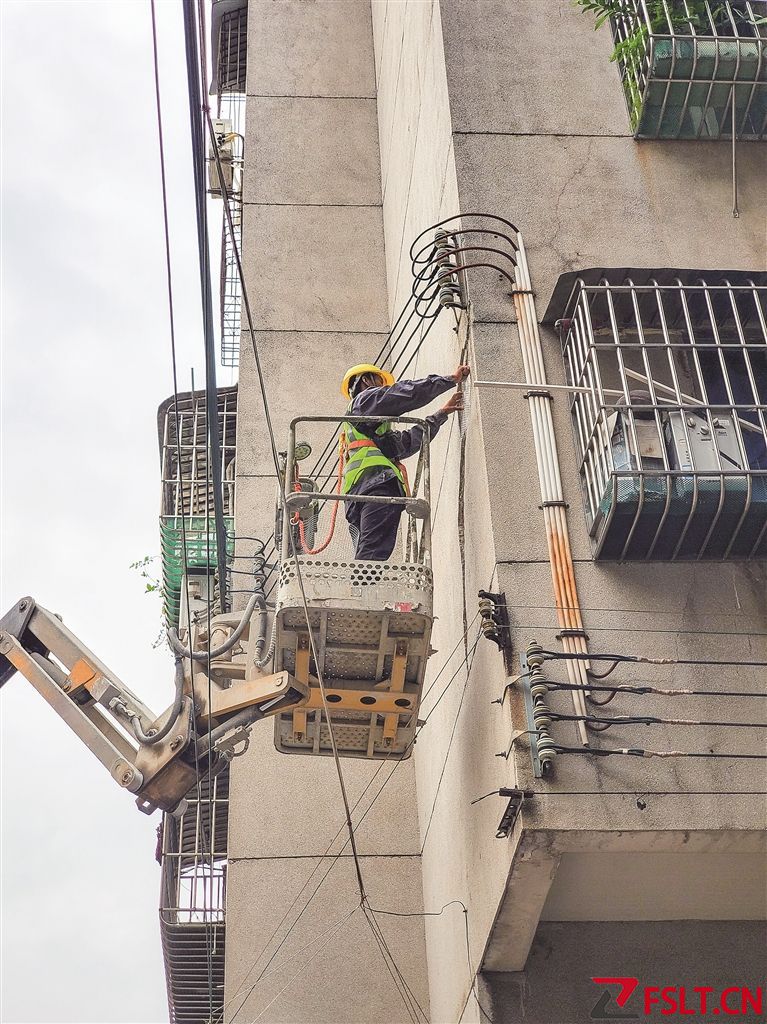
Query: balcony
x,y
193,853
693,69
187,525
669,411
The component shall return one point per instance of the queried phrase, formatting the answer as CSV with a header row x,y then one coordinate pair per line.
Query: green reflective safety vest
x,y
369,457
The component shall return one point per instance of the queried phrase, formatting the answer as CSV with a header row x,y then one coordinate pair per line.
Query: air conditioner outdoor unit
x,y
224,143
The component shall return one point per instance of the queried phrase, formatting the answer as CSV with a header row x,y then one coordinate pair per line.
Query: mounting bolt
x,y
127,777
176,742
22,606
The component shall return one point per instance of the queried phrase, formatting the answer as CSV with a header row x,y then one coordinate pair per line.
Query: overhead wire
x,y
642,752
469,663
439,913
179,462
642,689
382,764
194,39
637,659
412,1007
391,964
213,474
306,963
291,538
649,720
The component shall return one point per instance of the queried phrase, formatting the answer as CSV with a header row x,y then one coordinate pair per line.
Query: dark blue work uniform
x,y
374,527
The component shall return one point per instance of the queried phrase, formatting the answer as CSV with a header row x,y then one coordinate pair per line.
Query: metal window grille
x,y
232,107
693,68
232,50
670,413
231,78
192,903
187,494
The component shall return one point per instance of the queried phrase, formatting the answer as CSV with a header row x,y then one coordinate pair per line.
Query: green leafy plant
x,y
680,17
151,582
152,585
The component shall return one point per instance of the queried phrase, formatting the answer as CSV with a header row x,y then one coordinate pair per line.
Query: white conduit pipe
x,y
552,496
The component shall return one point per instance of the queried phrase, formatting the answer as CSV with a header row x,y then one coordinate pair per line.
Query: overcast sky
x,y
85,363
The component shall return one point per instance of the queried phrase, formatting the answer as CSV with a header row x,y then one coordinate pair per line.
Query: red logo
x,y
675,1000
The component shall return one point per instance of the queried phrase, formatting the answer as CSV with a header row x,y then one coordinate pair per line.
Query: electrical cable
x,y
382,765
184,546
636,659
195,58
306,963
439,913
363,896
649,720
151,738
285,916
641,752
412,1006
276,460
469,664
643,689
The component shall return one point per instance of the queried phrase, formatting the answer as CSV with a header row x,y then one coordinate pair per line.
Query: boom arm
x,y
101,710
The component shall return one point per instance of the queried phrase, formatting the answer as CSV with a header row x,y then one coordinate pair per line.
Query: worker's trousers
x,y
374,527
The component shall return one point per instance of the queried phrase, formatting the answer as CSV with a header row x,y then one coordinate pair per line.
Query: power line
x,y
469,663
642,752
648,720
194,59
306,963
635,629
641,690
412,1006
382,764
636,659
439,913
171,315
285,916
275,458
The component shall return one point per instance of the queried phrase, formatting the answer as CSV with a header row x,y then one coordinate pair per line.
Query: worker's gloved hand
x,y
455,404
461,374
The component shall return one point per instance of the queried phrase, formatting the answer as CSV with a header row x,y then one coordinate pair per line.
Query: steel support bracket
x,y
516,798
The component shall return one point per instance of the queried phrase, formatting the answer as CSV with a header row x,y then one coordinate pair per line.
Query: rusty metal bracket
x,y
399,667
516,798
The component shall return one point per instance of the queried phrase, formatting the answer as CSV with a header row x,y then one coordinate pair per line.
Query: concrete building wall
x,y
509,107
540,135
314,260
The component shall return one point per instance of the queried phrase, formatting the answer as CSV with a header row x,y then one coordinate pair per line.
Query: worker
x,y
374,451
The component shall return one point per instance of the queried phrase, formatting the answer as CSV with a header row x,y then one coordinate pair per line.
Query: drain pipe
x,y
572,634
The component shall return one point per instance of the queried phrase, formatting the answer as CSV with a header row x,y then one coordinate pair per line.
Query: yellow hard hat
x,y
355,371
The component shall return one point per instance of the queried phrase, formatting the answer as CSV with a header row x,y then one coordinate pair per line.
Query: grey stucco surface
x,y
314,150
556,987
330,968
543,70
310,48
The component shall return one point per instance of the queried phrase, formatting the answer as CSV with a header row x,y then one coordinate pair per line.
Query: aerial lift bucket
x,y
368,631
